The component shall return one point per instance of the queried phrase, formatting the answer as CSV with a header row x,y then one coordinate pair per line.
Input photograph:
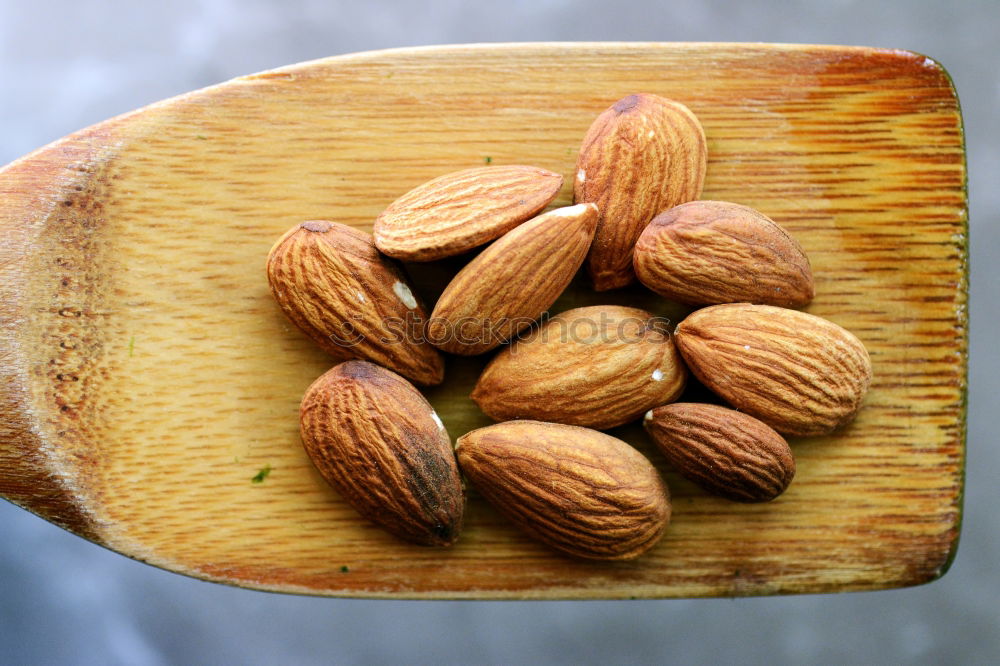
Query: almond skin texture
x,y
459,211
643,155
378,442
708,252
332,283
577,490
796,372
513,281
598,367
728,453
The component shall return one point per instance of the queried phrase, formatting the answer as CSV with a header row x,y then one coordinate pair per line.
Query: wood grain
x,y
148,375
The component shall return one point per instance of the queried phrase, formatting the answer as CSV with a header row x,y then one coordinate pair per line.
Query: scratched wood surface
x,y
148,376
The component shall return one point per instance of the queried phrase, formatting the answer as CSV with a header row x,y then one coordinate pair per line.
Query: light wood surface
x,y
148,376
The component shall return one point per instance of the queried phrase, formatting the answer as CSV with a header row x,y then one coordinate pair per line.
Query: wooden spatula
x,y
151,386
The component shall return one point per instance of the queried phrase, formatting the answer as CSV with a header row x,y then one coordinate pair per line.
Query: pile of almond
x,y
554,385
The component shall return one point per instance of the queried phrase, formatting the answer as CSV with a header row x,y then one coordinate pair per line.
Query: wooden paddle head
x,y
151,385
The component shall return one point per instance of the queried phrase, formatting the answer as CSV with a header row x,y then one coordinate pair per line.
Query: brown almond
x,y
598,366
333,284
798,373
462,210
378,442
728,453
577,490
513,281
641,156
708,252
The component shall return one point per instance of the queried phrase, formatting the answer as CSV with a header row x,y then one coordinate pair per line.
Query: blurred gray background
x,y
66,65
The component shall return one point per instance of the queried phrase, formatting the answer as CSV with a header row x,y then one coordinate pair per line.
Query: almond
x,y
378,442
641,156
796,372
707,252
577,490
332,283
513,281
598,366
459,211
726,452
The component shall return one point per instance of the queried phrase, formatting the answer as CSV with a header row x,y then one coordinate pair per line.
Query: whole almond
x,y
728,453
459,211
707,252
504,289
796,372
333,284
378,442
577,490
598,366
641,156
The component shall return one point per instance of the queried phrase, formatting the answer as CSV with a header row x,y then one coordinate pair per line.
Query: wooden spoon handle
x,y
41,195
